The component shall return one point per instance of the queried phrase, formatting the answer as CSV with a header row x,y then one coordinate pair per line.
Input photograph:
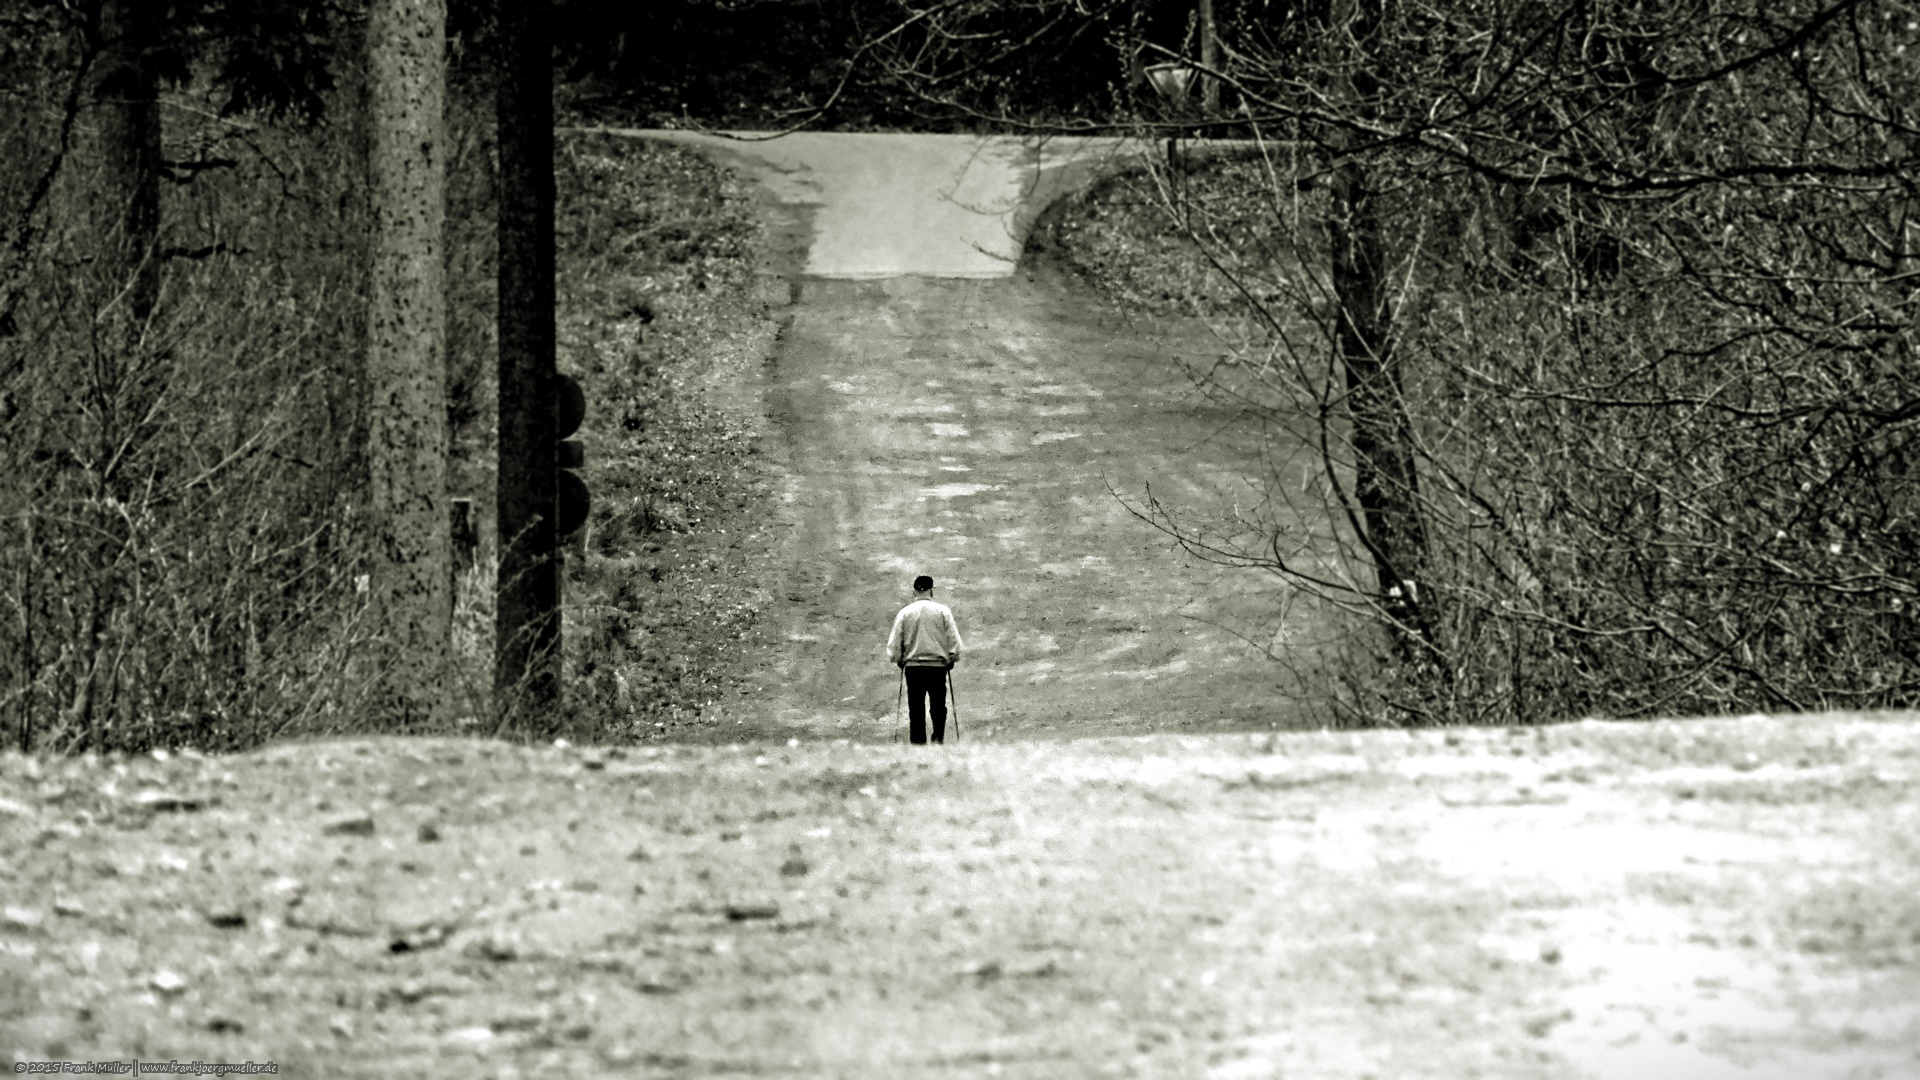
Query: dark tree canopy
x,y
772,62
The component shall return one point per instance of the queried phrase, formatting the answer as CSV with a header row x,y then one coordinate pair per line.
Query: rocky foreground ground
x,y
1670,901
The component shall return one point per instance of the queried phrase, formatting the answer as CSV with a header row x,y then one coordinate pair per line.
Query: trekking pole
x,y
953,706
900,702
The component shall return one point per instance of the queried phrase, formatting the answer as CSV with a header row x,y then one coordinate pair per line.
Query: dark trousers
x,y
924,684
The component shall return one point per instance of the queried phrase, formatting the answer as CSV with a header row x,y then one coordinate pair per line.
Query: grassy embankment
x,y
659,322
1115,237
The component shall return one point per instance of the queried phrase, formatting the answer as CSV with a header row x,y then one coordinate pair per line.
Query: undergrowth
x,y
1117,238
658,321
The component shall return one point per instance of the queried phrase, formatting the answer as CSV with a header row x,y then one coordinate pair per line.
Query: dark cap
x,y
923,583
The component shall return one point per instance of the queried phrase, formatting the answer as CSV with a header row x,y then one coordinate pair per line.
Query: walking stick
x,y
953,706
900,702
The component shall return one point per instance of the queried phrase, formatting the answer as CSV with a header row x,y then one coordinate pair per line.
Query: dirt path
x,y
1713,900
942,414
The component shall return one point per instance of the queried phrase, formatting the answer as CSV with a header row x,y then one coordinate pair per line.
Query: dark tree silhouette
x,y
527,620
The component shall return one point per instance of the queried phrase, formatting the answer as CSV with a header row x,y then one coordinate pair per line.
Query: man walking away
x,y
925,644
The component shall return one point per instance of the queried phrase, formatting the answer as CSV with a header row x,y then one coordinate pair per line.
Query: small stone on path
x,y
226,918
358,825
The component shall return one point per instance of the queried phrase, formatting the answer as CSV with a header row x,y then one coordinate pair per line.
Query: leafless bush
x,y
178,562
1641,318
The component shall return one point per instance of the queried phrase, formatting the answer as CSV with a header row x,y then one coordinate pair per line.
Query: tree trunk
x,y
1386,481
406,355
1209,59
128,97
527,616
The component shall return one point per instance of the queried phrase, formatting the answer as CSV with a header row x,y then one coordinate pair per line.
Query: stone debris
x,y
744,911
226,918
358,825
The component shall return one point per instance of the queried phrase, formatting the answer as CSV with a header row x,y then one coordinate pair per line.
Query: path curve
x,y
899,205
945,414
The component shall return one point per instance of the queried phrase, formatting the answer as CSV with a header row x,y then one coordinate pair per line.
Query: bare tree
x,y
1640,419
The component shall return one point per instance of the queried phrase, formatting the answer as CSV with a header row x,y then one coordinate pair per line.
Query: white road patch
x,y
956,491
844,387
1056,390
1061,410
1046,437
1172,667
956,468
924,410
950,431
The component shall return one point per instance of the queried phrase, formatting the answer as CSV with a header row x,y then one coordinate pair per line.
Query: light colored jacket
x,y
924,635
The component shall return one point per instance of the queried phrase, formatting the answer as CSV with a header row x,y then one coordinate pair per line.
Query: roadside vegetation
x,y
1127,238
182,475
183,508
659,321
1664,449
